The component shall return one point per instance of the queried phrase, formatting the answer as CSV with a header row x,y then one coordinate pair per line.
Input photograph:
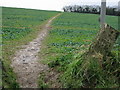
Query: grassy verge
x,y
20,26
41,81
69,38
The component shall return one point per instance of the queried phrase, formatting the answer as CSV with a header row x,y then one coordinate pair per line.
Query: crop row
x,y
19,22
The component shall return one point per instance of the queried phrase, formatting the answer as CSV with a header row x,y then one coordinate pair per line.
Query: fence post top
x,y
103,0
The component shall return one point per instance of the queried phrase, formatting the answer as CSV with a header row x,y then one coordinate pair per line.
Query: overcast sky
x,y
52,4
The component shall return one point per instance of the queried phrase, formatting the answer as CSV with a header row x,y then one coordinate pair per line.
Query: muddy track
x,y
25,63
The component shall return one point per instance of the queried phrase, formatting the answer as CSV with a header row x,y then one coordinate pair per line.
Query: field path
x,y
25,63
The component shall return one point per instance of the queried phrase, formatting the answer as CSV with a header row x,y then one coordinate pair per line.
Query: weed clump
x,y
8,76
62,61
88,73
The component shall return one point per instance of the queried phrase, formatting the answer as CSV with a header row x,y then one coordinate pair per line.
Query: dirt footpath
x,y
25,63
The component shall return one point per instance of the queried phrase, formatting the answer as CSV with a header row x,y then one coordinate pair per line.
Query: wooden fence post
x,y
103,13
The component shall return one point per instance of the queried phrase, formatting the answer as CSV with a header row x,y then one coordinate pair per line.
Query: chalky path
x,y
25,63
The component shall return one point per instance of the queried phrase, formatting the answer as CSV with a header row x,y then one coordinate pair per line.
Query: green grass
x,y
41,81
70,37
112,21
19,27
67,39
84,21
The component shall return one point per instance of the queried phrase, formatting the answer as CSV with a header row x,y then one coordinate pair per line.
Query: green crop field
x,y
86,21
19,26
19,22
70,37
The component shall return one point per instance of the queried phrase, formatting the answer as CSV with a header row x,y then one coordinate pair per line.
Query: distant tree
x,y
64,9
87,9
94,10
79,9
99,10
90,9
114,11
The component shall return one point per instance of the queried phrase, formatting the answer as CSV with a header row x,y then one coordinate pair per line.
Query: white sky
x,y
52,4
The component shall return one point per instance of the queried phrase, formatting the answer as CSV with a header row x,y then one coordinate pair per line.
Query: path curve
x,y
25,63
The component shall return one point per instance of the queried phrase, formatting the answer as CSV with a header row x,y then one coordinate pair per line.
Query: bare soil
x,y
26,63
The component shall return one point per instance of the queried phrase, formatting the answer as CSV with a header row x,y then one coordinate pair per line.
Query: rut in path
x,y
25,63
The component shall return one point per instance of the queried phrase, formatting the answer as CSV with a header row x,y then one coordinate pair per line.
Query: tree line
x,y
91,9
